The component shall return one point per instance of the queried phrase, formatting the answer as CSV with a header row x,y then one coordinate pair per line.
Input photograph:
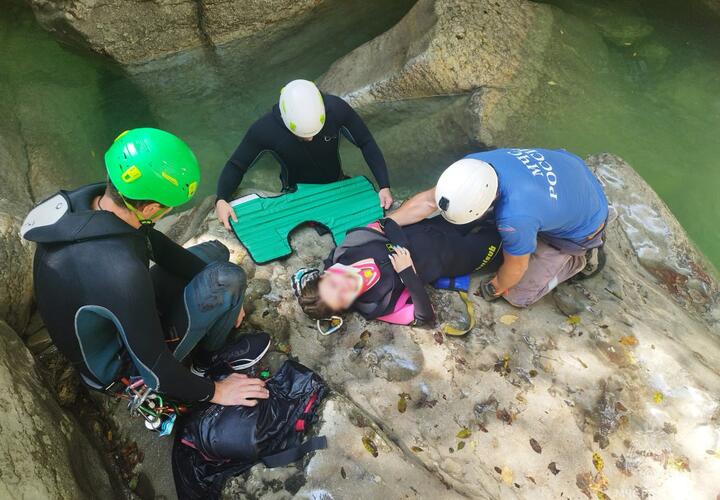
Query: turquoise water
x,y
655,102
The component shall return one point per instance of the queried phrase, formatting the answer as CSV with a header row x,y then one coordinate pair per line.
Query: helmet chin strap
x,y
143,220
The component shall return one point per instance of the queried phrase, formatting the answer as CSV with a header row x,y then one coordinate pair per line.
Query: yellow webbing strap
x,y
451,330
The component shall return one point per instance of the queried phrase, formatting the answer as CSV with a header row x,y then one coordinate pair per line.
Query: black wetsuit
x,y
308,162
438,249
91,257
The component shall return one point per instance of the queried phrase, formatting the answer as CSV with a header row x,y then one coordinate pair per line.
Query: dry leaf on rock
x,y
464,433
508,319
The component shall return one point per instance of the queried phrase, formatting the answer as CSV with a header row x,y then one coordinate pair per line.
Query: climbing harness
x,y
158,412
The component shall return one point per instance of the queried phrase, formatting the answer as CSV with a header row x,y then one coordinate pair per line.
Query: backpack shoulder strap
x,y
291,455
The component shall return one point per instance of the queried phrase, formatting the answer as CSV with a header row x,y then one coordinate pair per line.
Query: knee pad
x,y
231,277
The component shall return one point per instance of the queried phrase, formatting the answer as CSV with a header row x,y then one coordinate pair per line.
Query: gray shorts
x,y
548,267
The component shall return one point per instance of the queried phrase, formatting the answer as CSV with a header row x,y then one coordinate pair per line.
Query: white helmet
x,y
465,190
302,108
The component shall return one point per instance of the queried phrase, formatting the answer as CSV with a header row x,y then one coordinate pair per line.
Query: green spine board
x,y
264,224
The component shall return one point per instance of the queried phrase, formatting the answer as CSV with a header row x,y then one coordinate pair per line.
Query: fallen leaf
x,y
439,339
533,373
507,475
460,445
417,449
620,407
508,319
535,445
498,470
343,473
658,397
504,415
370,446
464,433
402,402
573,320
552,467
623,466
598,462
532,479
628,341
681,463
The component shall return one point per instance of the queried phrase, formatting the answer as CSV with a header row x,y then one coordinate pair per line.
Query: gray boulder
x,y
505,58
43,452
137,31
518,407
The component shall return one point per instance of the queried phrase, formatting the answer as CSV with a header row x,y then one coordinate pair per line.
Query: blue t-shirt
x,y
544,191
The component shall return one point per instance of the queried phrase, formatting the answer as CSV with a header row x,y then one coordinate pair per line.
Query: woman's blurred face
x,y
338,291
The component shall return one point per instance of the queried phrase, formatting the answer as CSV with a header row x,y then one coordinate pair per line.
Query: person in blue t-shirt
x,y
548,206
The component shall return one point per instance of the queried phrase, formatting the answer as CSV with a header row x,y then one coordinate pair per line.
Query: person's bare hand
x,y
386,199
224,213
401,259
239,389
240,318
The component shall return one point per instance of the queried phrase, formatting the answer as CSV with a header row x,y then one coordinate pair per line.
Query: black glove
x,y
487,290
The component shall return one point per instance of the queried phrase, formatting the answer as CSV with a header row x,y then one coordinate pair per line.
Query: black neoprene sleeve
x,y
238,164
173,257
424,314
144,337
360,136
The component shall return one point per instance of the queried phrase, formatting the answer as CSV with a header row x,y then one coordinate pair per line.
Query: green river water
x,y
656,102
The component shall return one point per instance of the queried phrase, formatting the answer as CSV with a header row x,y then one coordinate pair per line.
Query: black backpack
x,y
216,442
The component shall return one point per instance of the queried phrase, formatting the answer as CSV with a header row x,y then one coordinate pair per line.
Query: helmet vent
x,y
444,203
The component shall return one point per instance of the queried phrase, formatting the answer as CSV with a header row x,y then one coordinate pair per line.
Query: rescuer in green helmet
x,y
112,315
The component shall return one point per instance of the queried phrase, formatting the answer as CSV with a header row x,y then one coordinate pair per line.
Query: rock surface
x,y
43,453
620,398
137,31
500,54
16,199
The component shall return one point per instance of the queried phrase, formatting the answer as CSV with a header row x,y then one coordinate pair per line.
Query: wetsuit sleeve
x,y
241,160
131,299
174,258
356,131
424,314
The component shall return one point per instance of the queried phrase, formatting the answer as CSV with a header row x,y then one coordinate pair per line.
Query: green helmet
x,y
151,164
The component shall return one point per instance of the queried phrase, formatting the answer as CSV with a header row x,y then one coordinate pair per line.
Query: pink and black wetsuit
x,y
438,249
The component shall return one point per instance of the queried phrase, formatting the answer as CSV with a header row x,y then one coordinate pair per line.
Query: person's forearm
x,y
375,160
229,180
507,277
419,207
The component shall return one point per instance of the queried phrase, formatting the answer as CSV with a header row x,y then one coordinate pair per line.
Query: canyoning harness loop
x,y
335,323
158,412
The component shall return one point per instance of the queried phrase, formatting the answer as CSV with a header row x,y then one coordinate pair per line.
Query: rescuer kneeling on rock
x,y
112,316
302,131
548,206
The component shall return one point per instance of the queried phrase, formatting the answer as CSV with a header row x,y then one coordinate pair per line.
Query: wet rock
x,y
570,299
38,342
256,289
494,58
656,237
44,453
111,28
395,361
265,317
625,30
655,54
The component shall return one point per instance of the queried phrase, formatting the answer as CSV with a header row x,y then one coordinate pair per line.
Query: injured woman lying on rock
x,y
381,270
